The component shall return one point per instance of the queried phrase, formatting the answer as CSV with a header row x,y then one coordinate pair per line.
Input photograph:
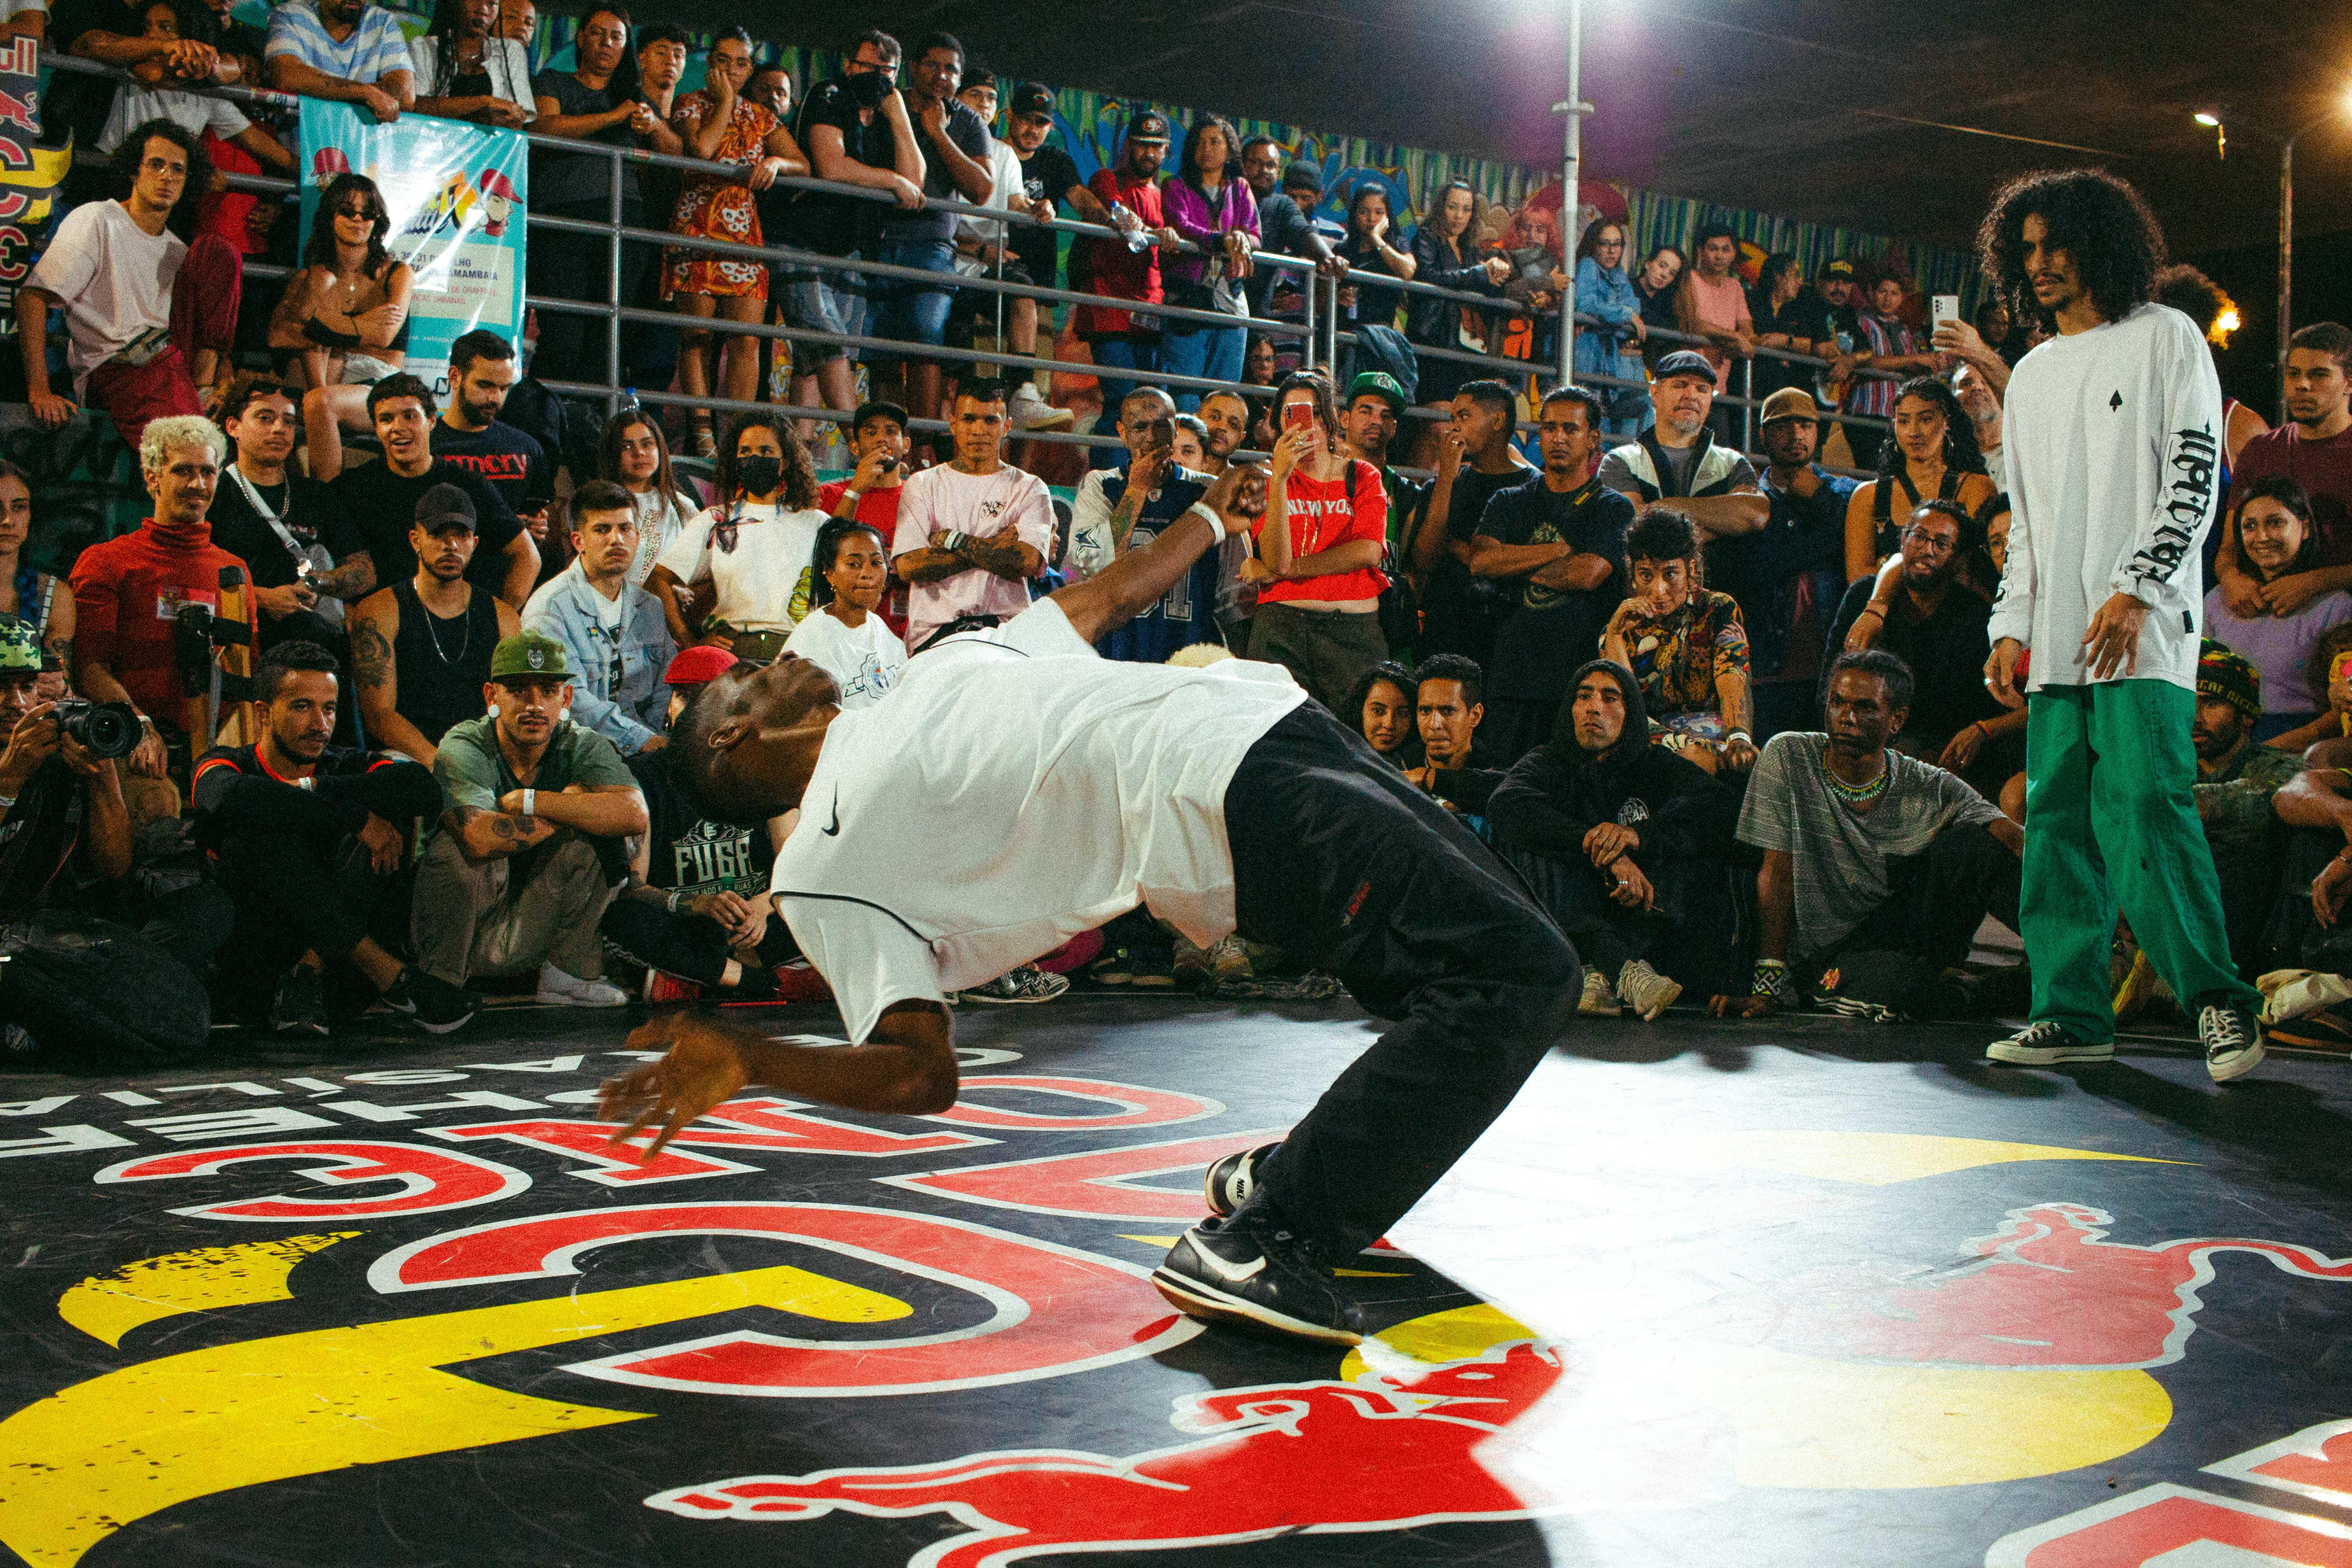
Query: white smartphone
x,y
1943,307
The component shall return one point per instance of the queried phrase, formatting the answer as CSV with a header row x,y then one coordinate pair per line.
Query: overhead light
x,y
2207,120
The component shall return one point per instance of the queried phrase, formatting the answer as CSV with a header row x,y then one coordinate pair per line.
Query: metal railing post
x,y
1314,281
1748,409
612,290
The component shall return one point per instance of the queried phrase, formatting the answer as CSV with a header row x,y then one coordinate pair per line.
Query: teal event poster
x,y
456,193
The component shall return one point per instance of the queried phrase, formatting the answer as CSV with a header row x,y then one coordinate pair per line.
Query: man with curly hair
x,y
2113,461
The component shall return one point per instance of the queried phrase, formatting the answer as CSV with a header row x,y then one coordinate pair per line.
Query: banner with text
x,y
456,195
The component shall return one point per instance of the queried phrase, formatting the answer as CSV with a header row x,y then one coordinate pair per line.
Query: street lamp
x,y
1571,156
2287,221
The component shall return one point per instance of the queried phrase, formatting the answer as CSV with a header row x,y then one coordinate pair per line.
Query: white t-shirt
x,y
114,279
659,519
1014,791
2112,443
135,105
866,661
941,498
12,8
1007,188
763,582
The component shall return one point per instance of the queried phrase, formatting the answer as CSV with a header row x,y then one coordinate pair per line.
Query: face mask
x,y
758,476
869,89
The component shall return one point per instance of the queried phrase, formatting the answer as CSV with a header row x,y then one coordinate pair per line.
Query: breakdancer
x,y
1015,790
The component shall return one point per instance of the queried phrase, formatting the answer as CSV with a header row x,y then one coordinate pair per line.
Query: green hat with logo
x,y
20,647
1381,383
533,655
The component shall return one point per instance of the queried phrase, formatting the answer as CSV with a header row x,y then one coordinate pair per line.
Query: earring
x,y
494,710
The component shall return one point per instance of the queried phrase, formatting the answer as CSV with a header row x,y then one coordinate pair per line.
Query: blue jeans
x,y
1213,351
905,309
1118,353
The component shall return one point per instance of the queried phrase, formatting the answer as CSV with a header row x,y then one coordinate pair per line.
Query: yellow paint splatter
x,y
1153,1241
1870,1158
204,1280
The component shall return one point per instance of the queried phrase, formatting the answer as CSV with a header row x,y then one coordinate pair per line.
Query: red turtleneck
x,y
127,595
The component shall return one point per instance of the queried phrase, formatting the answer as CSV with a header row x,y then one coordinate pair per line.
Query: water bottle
x,y
1137,241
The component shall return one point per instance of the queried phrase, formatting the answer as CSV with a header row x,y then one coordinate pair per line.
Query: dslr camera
x,y
106,729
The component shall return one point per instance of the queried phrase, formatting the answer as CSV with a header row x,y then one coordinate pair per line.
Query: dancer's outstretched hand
x,y
702,1071
1740,1007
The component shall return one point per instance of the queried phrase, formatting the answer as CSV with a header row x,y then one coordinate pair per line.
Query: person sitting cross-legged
x,y
1605,826
1448,705
844,631
1685,643
308,839
1874,862
421,648
535,811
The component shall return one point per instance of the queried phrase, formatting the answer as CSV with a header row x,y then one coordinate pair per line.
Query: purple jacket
x,y
1193,216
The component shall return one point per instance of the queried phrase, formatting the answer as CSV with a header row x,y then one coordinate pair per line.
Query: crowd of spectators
x,y
397,678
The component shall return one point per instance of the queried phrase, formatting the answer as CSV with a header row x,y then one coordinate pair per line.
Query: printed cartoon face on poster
x,y
454,196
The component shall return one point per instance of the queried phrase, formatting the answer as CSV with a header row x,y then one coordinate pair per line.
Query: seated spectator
x,y
1370,253
1785,576
129,590
464,70
753,545
2238,778
612,630
878,448
1613,348
143,311
305,559
1476,457
519,20
1878,863
534,807
381,499
842,633
347,51
2314,447
421,647
1605,828
719,124
1928,616
344,315
156,99
635,455
75,984
695,911
1122,509
1218,213
1680,458
1714,306
1384,708
1932,456
1685,645
1318,549
1192,444
1557,543
1447,706
30,597
973,530
307,839
1887,343
482,370
2272,524
1129,192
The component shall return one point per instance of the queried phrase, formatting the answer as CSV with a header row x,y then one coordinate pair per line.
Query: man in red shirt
x,y
129,591
877,439
1122,339
1319,551
2314,447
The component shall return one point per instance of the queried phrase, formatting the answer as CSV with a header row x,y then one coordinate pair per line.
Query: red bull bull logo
x,y
1384,1452
23,114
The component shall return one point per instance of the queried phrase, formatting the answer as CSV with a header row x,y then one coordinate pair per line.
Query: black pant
x,y
295,895
97,992
1337,858
572,347
691,947
1607,934
1935,900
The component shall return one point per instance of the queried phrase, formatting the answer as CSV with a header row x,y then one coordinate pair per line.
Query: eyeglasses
x,y
367,214
1935,541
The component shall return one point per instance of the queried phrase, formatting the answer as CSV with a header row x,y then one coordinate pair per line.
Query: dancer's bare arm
x,y
1139,578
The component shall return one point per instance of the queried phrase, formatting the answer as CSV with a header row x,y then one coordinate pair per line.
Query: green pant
x,y
2110,819
1327,651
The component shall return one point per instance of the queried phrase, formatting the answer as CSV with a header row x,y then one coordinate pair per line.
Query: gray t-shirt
x,y
1840,858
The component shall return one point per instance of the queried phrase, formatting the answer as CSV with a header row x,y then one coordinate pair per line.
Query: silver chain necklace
x,y
466,615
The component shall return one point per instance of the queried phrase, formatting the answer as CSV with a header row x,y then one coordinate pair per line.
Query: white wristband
x,y
1207,514
530,803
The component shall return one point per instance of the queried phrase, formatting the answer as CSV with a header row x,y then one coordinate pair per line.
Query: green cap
x,y
20,647
1380,382
530,653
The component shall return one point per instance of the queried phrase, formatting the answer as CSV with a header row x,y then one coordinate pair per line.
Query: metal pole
x,y
2286,267
613,281
1571,156
1306,345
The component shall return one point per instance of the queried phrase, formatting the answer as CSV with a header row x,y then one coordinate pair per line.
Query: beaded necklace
x,y
1856,795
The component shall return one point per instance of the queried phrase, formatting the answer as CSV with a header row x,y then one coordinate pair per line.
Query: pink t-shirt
x,y
1724,307
984,504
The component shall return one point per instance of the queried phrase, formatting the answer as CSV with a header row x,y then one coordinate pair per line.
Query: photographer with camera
x,y
69,981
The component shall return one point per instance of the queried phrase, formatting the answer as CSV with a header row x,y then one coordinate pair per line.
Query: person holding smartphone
x,y
1319,551
879,445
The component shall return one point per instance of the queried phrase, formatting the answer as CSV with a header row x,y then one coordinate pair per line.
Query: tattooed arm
x,y
353,578
58,636
374,623
494,834
1006,555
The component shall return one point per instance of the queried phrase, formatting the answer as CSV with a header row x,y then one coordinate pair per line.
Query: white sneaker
x,y
1645,990
557,989
1599,1001
1028,411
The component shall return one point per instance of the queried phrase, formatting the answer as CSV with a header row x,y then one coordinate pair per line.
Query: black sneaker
x,y
1231,1180
2233,1045
2046,1045
1246,1269
301,1007
436,1005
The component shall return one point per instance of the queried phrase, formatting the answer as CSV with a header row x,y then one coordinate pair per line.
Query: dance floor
x,y
1812,1293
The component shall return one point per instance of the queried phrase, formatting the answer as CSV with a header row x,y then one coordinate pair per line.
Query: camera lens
x,y
106,729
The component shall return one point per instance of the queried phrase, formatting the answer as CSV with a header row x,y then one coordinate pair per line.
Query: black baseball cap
x,y
1685,361
1148,126
445,505
1033,98
1841,267
1303,174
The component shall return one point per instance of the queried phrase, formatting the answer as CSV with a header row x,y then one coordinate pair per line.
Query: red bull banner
x,y
28,174
456,195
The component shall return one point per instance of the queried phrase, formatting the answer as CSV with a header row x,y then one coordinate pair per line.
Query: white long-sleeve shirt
x,y
2112,447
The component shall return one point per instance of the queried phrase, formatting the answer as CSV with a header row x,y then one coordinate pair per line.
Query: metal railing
x,y
1317,329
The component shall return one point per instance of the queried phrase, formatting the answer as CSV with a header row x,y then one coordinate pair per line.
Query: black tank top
x,y
1888,534
441,665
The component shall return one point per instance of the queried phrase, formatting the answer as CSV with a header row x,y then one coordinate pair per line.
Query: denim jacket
x,y
565,608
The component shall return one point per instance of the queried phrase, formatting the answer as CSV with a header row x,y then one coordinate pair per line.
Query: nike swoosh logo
x,y
1226,1271
834,831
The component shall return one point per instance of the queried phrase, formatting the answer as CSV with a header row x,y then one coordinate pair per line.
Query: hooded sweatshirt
x,y
1560,791
127,597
